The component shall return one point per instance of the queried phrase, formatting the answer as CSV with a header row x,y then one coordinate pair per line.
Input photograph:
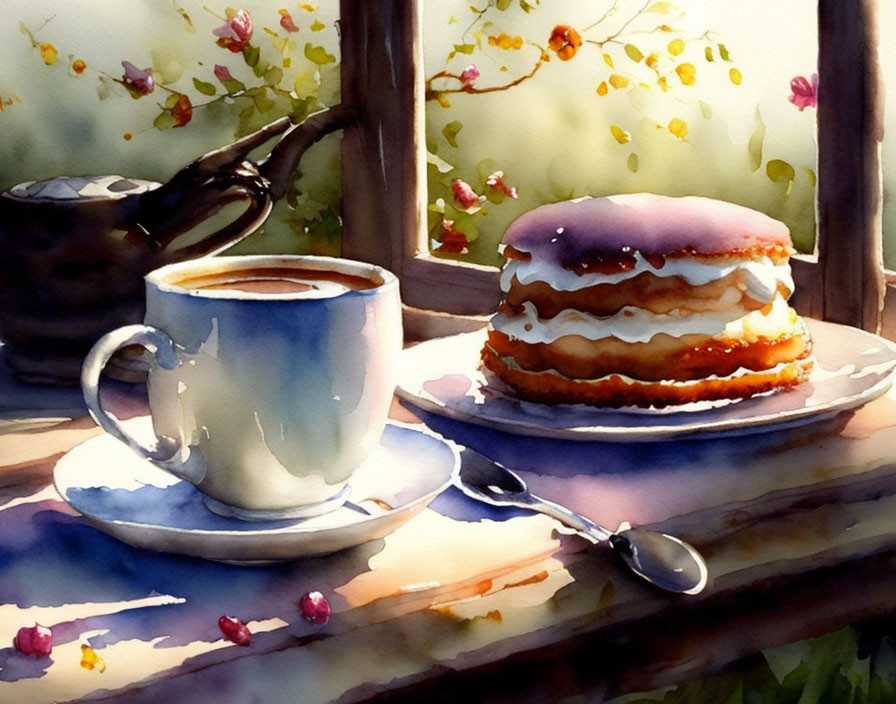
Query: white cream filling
x,y
763,276
638,325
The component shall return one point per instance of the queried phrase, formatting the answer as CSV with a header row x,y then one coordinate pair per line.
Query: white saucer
x,y
127,497
852,367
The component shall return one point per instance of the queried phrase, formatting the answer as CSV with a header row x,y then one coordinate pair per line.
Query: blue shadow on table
x,y
566,458
52,559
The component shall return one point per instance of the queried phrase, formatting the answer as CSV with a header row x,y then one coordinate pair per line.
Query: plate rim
x,y
658,433
280,535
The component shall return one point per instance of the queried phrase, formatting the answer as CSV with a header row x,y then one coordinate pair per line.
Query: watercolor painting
x,y
256,490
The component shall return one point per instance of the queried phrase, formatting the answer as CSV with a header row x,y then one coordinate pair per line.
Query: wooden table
x,y
462,602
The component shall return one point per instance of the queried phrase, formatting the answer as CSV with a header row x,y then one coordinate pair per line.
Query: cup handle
x,y
166,450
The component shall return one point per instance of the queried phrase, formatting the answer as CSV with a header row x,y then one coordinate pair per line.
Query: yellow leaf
x,y
652,59
676,47
48,53
687,73
663,8
505,41
90,660
678,127
663,83
620,134
602,88
735,76
608,60
810,174
778,170
754,147
633,52
618,81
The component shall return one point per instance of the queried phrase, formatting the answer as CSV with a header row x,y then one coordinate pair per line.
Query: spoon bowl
x,y
661,559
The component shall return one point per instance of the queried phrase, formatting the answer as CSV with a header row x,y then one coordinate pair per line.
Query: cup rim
x,y
159,278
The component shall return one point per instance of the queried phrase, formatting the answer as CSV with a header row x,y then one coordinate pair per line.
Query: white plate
x,y
127,497
852,367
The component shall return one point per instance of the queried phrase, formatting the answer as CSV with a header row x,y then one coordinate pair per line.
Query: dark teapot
x,y
74,250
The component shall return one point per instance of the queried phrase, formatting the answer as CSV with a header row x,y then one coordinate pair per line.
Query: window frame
x,y
384,173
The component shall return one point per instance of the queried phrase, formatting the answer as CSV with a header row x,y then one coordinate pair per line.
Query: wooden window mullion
x,y
850,193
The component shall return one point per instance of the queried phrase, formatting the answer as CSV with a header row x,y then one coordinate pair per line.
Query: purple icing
x,y
574,232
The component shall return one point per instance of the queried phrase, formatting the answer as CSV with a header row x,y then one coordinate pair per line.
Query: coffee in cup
x,y
272,377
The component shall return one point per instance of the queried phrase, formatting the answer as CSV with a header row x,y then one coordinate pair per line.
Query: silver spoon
x,y
661,559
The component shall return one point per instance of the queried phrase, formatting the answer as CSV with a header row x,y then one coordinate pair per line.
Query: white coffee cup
x,y
271,380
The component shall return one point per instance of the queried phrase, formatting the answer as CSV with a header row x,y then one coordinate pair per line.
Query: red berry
x,y
36,640
235,630
315,608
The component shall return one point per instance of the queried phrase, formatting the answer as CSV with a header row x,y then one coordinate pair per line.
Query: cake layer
x,y
615,391
663,358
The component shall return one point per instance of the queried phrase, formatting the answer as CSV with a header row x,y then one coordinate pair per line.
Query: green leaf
x,y
231,85
526,7
723,52
464,48
325,233
273,76
442,166
709,56
300,108
632,163
450,131
810,175
778,170
503,4
164,121
485,168
262,100
204,87
318,55
754,148
634,53
251,55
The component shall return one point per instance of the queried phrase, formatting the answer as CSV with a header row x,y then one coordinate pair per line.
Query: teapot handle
x,y
192,197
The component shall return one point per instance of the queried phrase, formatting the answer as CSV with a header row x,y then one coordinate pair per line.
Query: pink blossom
x,y
140,82
805,94
236,32
464,196
452,241
287,22
222,73
496,181
468,75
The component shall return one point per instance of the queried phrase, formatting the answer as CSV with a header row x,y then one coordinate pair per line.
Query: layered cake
x,y
646,300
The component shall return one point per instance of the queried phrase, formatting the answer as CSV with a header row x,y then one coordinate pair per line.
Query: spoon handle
x,y
570,518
